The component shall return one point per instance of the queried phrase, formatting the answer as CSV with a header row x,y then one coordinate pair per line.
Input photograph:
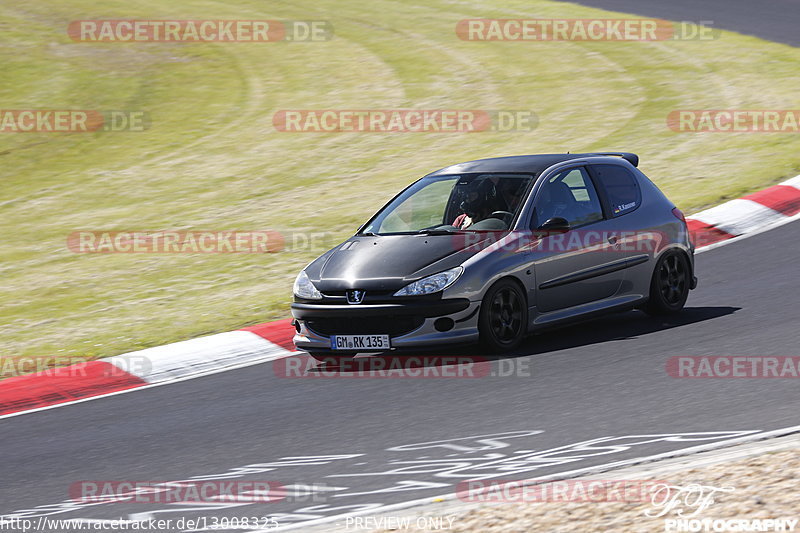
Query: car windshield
x,y
451,204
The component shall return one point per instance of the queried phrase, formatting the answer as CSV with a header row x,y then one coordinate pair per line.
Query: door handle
x,y
612,240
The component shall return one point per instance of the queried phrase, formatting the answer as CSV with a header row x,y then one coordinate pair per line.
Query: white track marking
x,y
561,475
759,231
794,182
197,356
739,216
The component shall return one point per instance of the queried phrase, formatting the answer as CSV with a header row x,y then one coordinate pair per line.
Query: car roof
x,y
532,164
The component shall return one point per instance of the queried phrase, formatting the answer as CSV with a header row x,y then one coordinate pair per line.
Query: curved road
x,y
375,441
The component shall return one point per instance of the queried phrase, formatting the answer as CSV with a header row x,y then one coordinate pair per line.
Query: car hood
x,y
389,262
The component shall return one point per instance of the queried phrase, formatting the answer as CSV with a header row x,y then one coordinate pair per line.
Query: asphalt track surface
x,y
601,380
774,20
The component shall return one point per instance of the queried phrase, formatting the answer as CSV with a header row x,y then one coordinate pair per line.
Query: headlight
x,y
431,284
303,288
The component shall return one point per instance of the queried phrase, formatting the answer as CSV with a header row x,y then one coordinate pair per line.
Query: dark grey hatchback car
x,y
493,249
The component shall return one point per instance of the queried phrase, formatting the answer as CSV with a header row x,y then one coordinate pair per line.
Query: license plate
x,y
360,342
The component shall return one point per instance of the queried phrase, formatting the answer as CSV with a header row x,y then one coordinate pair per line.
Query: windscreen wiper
x,y
438,231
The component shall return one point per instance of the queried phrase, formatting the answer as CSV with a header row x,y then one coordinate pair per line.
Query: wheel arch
x,y
514,279
675,248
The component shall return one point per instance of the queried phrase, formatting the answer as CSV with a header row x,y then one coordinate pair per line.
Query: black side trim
x,y
593,272
472,314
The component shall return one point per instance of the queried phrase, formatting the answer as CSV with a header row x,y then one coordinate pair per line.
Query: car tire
x,y
669,286
503,320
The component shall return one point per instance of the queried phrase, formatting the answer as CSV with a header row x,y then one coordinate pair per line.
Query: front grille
x,y
391,325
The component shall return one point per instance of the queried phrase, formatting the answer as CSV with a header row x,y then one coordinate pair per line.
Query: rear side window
x,y
621,188
569,195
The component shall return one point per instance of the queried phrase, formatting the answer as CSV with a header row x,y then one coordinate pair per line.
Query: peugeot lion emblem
x,y
355,296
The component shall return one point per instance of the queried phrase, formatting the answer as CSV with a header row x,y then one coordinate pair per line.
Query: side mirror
x,y
555,225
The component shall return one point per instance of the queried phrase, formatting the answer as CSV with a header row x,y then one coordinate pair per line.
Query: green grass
x,y
212,160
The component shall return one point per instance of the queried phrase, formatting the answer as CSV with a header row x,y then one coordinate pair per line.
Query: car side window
x,y
621,188
571,195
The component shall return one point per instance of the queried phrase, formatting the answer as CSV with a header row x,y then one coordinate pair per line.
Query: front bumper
x,y
409,324
422,308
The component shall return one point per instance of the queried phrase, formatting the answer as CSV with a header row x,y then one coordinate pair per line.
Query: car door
x,y
576,267
636,241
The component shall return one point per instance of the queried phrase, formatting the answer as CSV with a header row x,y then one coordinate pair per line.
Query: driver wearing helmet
x,y
476,205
